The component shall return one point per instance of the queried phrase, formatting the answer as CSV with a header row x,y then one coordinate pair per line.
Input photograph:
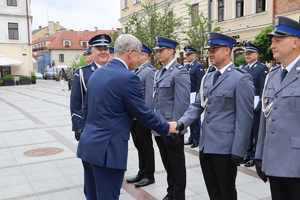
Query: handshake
x,y
175,127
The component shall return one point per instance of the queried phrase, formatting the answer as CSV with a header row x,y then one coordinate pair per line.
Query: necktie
x,y
188,67
161,73
283,74
216,76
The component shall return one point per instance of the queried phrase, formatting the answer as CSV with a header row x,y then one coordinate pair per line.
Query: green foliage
x,y
151,23
262,41
25,78
8,78
239,59
196,34
1,82
114,36
78,62
33,77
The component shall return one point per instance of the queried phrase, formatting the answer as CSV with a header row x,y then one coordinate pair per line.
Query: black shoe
x,y
167,197
134,179
194,145
188,143
250,163
144,182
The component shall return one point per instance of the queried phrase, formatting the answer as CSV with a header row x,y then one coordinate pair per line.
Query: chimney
x,y
51,27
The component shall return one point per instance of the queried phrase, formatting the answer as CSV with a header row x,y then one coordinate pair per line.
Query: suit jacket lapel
x,y
292,76
221,78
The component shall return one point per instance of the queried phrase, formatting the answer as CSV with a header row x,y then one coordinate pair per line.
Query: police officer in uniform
x,y
171,99
141,135
100,53
278,147
196,74
258,71
227,105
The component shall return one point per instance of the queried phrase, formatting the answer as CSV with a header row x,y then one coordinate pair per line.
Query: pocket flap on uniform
x,y
165,84
295,142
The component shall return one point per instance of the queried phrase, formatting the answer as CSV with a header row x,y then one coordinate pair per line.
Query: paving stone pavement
x,y
38,153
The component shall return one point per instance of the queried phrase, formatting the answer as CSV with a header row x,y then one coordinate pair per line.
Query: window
x,y
84,44
136,1
239,9
61,58
67,43
13,31
11,2
124,4
195,12
260,6
220,10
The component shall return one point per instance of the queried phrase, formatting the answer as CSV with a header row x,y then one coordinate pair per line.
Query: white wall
x,y
20,9
69,56
14,15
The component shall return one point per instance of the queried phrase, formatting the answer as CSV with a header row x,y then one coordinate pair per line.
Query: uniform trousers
x,y
285,188
219,174
171,149
142,139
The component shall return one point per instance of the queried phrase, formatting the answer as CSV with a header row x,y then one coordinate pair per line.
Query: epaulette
x,y
240,70
275,68
179,66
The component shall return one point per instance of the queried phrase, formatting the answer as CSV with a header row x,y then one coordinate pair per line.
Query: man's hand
x,y
172,127
260,173
77,134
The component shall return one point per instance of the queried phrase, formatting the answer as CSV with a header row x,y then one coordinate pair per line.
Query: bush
x,y
33,78
239,60
1,82
8,78
24,80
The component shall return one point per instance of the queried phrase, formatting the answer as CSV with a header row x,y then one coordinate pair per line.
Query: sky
x,y
77,14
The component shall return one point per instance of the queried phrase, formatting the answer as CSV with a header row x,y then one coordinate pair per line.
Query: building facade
x,y
179,7
48,30
62,48
15,37
242,19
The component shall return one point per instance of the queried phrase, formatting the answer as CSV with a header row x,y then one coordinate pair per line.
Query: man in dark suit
x,y
196,74
100,55
114,98
258,71
141,135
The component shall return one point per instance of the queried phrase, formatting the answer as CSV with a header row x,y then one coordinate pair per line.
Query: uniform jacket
x,y
146,74
172,92
279,133
196,73
259,72
78,94
228,114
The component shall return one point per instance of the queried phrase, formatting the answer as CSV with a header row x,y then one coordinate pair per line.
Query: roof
x,y
55,41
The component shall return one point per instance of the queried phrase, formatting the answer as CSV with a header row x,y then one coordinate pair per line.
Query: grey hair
x,y
127,42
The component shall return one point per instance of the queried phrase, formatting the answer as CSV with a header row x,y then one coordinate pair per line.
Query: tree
x,y
196,35
151,23
79,62
263,42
